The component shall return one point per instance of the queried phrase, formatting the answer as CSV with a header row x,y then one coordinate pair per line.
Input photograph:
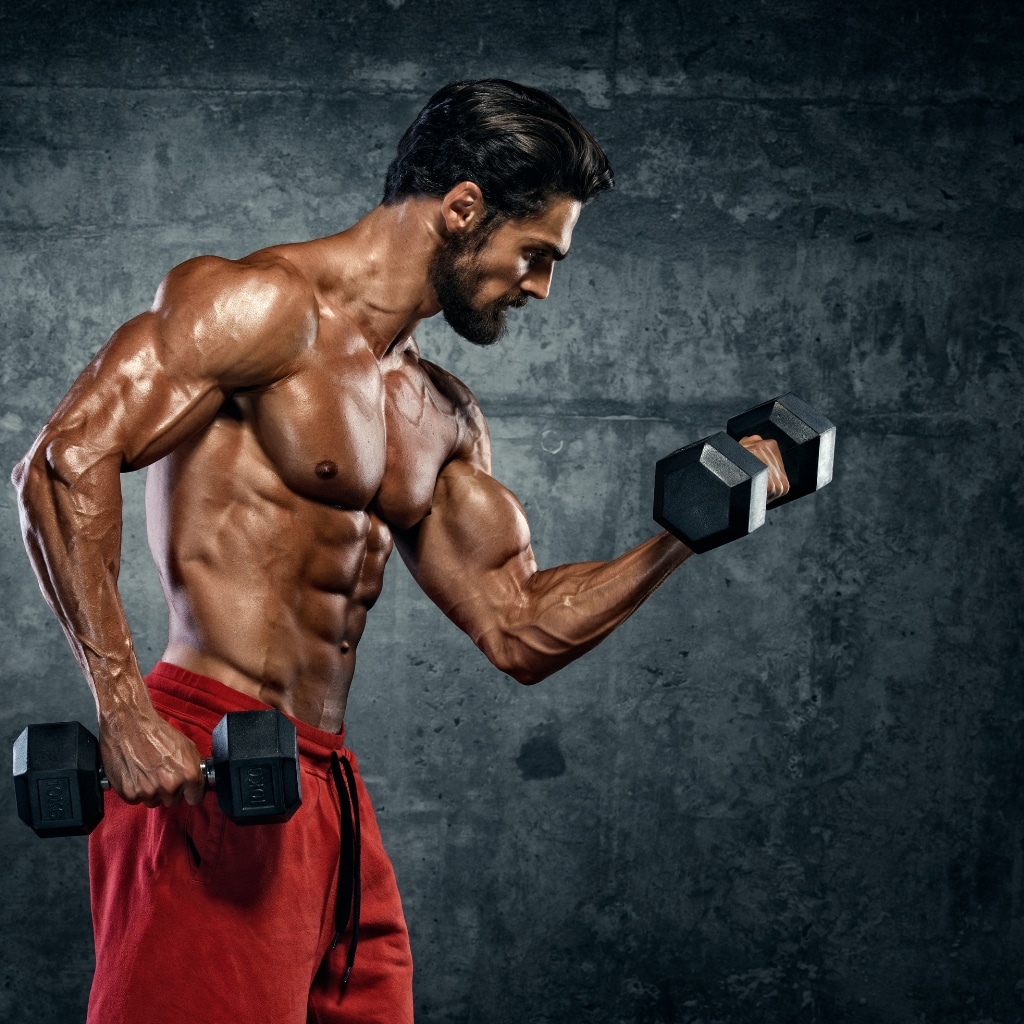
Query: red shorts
x,y
200,920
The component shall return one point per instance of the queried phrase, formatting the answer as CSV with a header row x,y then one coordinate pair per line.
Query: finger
x,y
767,451
781,479
175,783
139,793
122,784
194,790
778,485
778,482
145,791
162,788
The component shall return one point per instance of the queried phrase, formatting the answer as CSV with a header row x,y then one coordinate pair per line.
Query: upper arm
x,y
476,532
472,555
214,327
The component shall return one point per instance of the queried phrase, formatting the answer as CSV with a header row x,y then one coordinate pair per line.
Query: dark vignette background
x,y
789,790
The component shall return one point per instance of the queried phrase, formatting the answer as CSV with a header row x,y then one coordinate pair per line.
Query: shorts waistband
x,y
205,701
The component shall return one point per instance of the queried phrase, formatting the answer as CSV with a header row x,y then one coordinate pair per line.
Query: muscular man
x,y
293,435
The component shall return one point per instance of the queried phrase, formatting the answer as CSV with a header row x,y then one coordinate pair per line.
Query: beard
x,y
455,275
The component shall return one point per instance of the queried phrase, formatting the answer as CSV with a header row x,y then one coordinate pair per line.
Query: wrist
x,y
122,701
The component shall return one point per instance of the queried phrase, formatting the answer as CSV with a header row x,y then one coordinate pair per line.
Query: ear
x,y
462,207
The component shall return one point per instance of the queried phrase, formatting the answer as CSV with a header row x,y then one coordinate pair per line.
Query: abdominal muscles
x,y
267,590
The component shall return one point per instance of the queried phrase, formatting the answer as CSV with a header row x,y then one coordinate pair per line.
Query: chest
x,y
350,432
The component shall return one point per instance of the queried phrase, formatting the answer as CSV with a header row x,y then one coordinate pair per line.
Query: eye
x,y
535,256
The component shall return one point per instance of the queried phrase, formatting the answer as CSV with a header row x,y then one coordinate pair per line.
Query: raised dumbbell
x,y
59,781
714,490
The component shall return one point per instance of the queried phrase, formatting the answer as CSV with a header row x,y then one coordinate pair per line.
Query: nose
x,y
537,282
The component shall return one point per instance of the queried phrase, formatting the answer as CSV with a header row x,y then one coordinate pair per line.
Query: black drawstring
x,y
350,894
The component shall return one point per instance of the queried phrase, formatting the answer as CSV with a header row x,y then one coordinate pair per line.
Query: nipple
x,y
326,470
345,647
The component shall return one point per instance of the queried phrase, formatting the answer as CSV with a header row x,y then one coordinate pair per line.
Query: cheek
x,y
498,279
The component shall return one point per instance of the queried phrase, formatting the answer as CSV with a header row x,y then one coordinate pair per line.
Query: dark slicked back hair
x,y
520,145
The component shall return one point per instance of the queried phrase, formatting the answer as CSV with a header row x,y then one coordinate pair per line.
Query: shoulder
x,y
260,284
258,310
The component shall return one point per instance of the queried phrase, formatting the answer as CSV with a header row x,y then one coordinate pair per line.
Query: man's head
x,y
479,274
520,145
521,167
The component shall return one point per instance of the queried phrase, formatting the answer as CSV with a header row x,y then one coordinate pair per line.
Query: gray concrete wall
x,y
789,789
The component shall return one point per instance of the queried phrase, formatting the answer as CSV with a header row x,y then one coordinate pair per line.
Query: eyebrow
x,y
557,254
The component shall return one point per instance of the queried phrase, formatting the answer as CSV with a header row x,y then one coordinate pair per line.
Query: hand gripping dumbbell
x,y
59,781
714,490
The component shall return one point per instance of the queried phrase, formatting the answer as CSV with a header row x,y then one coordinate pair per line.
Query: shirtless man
x,y
293,435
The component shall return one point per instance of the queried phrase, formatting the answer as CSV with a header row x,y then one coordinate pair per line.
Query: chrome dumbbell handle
x,y
206,766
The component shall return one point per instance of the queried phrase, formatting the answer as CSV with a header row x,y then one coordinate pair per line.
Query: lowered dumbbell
x,y
59,781
714,490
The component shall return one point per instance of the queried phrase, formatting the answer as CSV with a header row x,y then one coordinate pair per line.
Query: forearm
x,y
71,523
561,613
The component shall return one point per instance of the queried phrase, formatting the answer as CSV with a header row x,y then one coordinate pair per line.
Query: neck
x,y
378,270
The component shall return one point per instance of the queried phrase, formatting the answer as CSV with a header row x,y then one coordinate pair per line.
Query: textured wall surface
x,y
787,790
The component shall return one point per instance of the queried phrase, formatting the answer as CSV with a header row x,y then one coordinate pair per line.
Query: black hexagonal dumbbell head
x,y
256,761
710,492
57,779
806,440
